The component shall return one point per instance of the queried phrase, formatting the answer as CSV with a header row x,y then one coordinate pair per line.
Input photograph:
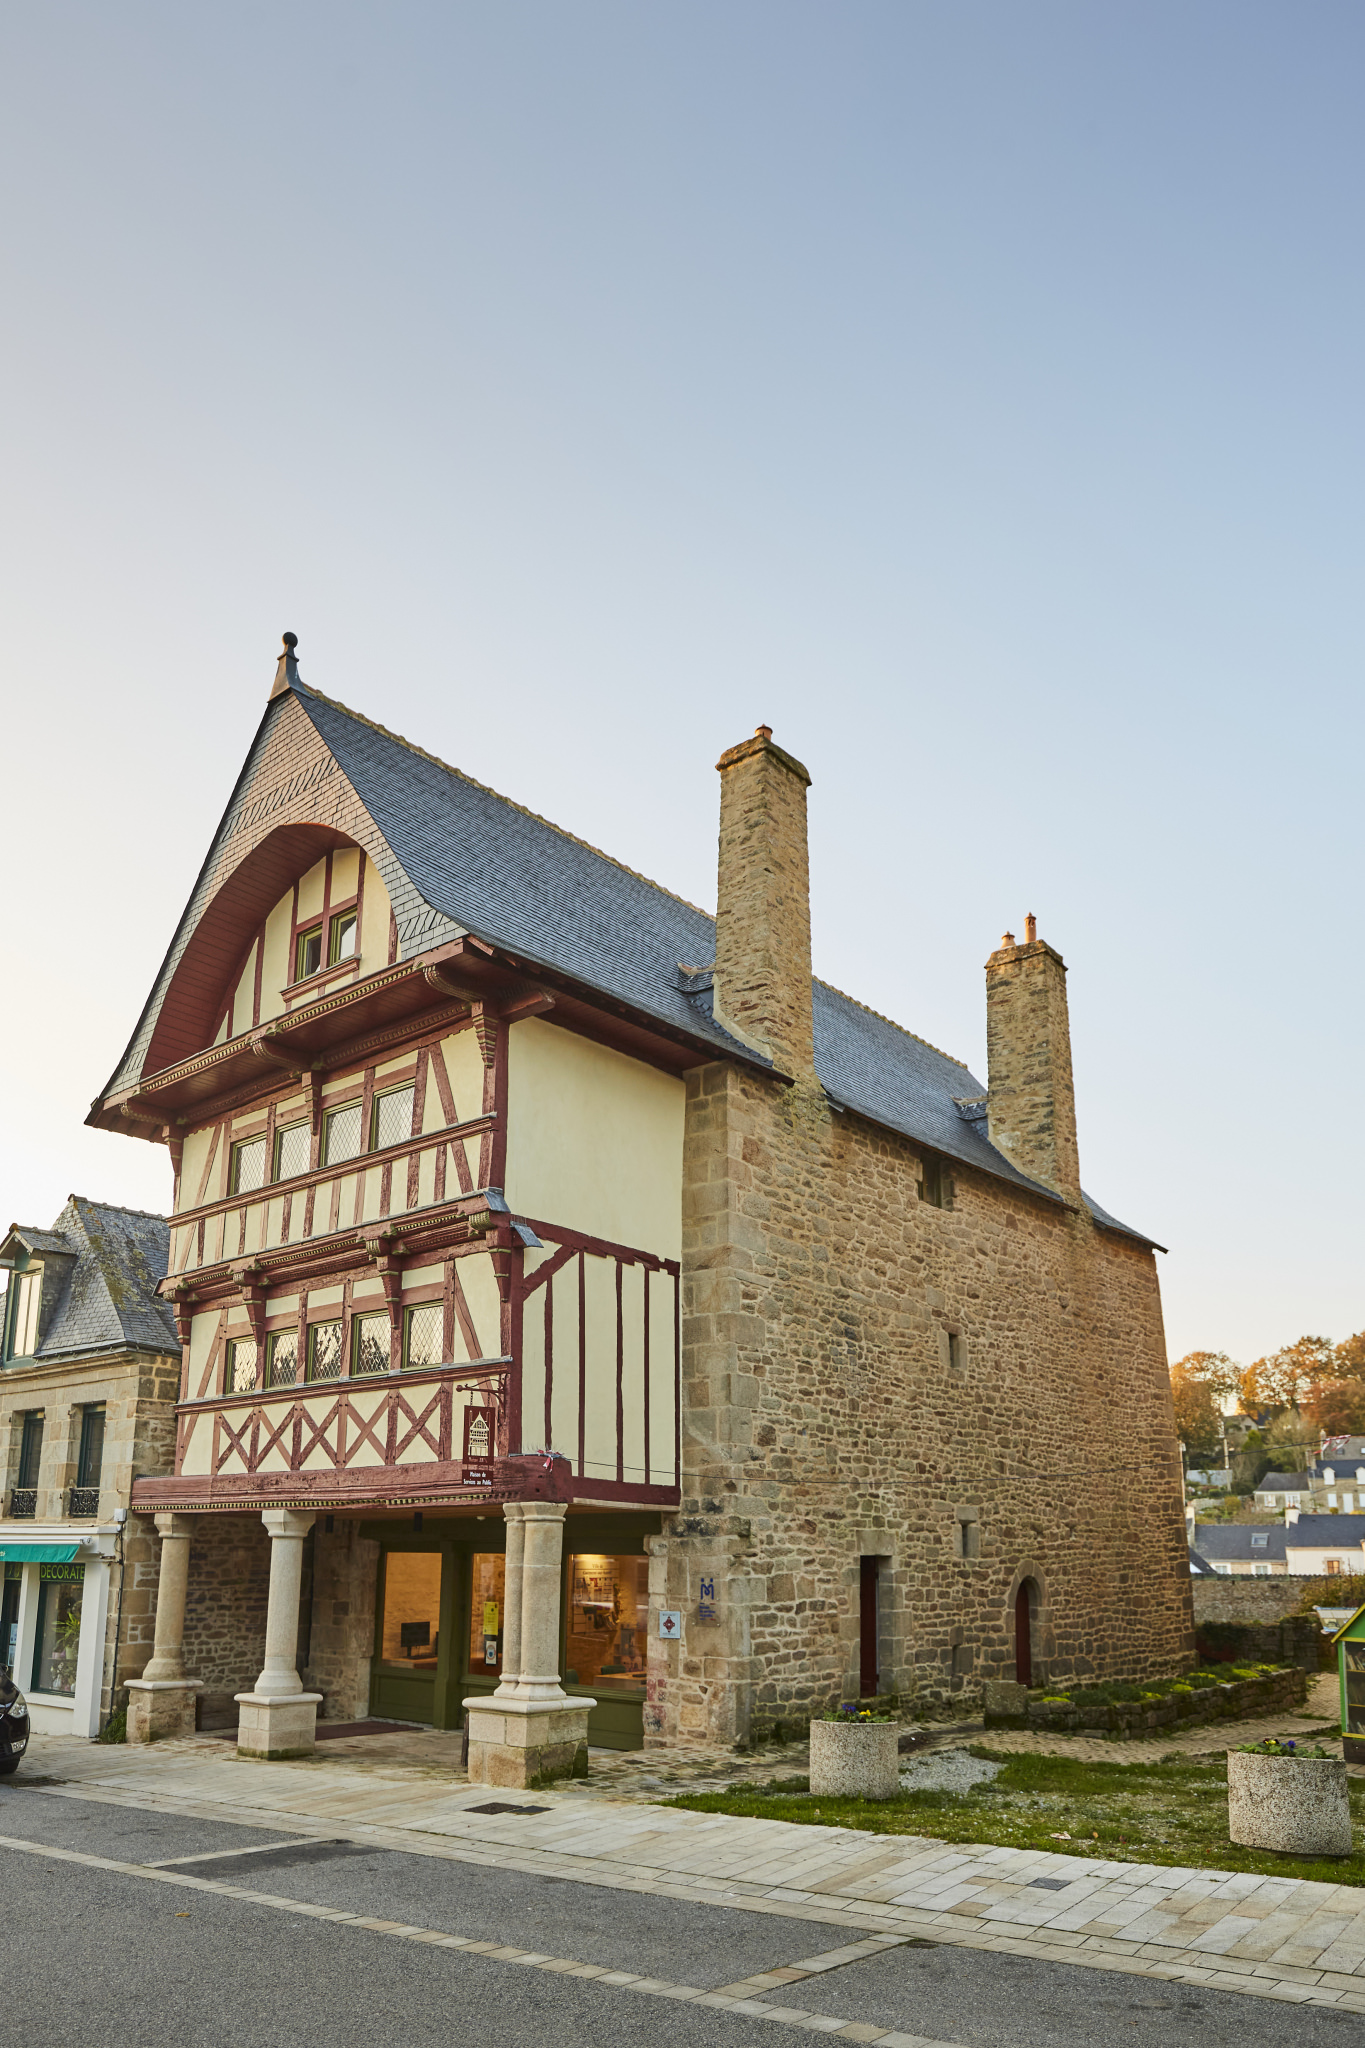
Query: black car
x,y
13,1725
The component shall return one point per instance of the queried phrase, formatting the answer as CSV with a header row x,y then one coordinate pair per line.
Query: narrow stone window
x,y
957,1351
933,1186
967,1533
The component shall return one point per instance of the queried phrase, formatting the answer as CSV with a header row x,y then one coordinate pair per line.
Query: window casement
x,y
282,1359
1260,1571
391,1118
341,1133
248,1167
324,1351
308,952
933,1186
1260,1540
341,938
967,1533
291,1151
423,1335
90,1455
28,1300
30,1449
243,1358
371,1337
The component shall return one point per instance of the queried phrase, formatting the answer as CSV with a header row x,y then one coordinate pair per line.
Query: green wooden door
x,y
414,1676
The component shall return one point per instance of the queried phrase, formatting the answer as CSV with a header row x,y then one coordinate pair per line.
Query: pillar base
x,y
275,1726
161,1708
526,1743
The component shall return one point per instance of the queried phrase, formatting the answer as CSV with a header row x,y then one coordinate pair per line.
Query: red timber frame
x,y
337,1422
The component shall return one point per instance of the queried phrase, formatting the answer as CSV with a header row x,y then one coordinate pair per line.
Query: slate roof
x,y
113,1259
1284,1482
513,879
491,868
1231,1542
1327,1532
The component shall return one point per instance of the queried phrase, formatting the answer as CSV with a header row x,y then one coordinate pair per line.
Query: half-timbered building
x,y
593,1326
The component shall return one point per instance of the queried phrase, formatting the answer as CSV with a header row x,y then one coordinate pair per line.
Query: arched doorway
x,y
1023,1632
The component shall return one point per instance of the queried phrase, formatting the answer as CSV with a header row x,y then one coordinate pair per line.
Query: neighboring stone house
x,y
88,1383
1238,1550
1284,1490
589,1306
1322,1546
1337,1477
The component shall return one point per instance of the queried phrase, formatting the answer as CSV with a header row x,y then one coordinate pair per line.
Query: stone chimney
x,y
1031,1114
762,980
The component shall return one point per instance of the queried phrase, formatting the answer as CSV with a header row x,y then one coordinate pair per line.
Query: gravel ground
x,y
947,1770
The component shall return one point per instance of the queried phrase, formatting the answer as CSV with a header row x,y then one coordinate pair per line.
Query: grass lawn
x,y
1173,1812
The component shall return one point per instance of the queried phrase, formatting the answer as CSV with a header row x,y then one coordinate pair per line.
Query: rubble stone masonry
x,y
973,1394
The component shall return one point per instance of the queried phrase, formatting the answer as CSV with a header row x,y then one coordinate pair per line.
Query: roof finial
x,y
287,672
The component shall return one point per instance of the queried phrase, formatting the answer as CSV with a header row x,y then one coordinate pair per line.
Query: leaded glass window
x,y
324,1351
291,1151
371,1339
341,1136
242,1361
248,1166
392,1118
423,1343
284,1358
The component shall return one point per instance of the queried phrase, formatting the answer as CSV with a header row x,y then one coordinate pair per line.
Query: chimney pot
x,y
763,732
1007,938
1030,928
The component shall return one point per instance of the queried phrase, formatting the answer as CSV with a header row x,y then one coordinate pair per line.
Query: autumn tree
x,y
1336,1407
1282,1378
1196,1413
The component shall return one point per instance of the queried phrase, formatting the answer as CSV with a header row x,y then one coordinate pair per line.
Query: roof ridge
x,y
511,802
120,1208
904,1029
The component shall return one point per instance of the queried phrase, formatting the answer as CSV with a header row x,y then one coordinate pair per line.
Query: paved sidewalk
x,y
1275,1937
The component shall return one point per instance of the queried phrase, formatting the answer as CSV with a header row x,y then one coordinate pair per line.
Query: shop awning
x,y
13,1549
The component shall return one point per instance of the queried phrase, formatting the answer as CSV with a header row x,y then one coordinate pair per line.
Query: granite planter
x,y
1295,1805
855,1759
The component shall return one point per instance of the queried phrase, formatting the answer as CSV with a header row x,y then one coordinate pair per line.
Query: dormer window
x,y
1260,1541
27,1303
308,953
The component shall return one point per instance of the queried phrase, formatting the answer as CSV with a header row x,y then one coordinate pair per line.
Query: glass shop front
x,y
439,1626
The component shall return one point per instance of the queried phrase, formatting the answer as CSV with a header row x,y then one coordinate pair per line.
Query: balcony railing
x,y
23,1503
82,1501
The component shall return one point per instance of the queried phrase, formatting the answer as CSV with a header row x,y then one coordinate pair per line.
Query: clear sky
x,y
972,392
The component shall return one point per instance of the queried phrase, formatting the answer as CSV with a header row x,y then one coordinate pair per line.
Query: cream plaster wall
x,y
594,1139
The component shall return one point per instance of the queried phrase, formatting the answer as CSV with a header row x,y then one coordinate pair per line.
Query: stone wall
x,y
823,1422
341,1634
229,1582
1247,1599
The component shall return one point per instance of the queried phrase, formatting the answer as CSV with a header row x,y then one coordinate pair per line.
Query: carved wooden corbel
x,y
251,1281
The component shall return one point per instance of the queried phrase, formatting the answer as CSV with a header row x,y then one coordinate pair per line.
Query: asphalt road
x,y
127,1962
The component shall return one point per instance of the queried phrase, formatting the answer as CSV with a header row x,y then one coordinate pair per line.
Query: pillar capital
x,y
181,1526
286,1522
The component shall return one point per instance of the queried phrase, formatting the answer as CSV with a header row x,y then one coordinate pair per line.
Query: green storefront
x,y
439,1615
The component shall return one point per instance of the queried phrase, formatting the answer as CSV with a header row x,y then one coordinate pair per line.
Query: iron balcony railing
x,y
23,1503
82,1501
